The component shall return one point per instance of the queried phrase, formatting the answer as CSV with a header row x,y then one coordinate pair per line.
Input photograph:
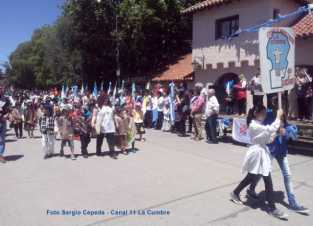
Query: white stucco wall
x,y
304,51
240,55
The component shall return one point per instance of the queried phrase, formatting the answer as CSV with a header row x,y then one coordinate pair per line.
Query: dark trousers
x,y
210,128
84,142
160,120
258,100
190,122
303,107
242,106
181,126
252,179
148,119
18,129
110,138
229,107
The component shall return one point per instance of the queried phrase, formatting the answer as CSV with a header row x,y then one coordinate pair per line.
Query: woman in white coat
x,y
258,158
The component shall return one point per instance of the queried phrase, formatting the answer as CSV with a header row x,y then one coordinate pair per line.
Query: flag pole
x,y
280,105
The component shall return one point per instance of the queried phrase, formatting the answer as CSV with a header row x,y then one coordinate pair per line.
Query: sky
x,y
19,18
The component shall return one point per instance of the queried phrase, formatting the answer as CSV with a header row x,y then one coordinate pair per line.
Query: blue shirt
x,y
279,147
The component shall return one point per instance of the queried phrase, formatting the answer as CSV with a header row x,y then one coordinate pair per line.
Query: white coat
x,y
105,121
258,159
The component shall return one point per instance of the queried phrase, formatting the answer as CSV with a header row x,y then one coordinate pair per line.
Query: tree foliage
x,y
81,46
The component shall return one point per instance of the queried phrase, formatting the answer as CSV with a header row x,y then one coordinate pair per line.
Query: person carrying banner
x,y
258,158
279,150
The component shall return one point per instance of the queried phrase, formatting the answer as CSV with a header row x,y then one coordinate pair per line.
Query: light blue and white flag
x,y
133,90
148,85
172,101
75,90
63,95
110,87
82,90
123,85
114,95
95,90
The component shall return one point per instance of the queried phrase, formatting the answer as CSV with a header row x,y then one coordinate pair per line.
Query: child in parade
x,y
258,158
166,126
138,120
66,130
131,130
121,124
105,126
147,109
30,119
83,127
16,120
46,126
279,150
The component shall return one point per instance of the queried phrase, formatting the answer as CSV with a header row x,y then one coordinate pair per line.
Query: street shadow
x,y
11,158
9,134
252,204
226,139
261,202
10,140
299,151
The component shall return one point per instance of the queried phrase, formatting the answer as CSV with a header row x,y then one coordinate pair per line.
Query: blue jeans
x,y
285,170
2,137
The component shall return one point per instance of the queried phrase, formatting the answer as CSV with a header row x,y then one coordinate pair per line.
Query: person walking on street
x,y
16,120
258,158
105,127
66,129
46,126
83,127
2,135
279,150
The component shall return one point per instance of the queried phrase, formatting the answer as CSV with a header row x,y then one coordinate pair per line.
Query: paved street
x,y
192,180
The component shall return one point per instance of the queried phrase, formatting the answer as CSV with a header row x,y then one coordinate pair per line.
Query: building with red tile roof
x,y
181,70
216,59
304,28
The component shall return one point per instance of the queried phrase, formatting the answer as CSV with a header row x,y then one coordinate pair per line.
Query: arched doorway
x,y
220,87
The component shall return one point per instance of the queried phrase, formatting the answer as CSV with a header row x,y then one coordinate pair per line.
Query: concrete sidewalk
x,y
170,181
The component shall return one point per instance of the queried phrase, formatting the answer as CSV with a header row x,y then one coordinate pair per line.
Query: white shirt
x,y
154,103
149,106
258,159
212,106
105,120
160,103
257,86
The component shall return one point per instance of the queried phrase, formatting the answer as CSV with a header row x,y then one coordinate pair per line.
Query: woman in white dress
x,y
258,159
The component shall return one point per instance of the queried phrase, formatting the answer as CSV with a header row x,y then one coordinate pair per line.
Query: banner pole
x,y
280,105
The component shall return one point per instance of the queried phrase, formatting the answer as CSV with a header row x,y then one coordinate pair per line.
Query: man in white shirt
x,y
256,89
211,113
105,127
160,107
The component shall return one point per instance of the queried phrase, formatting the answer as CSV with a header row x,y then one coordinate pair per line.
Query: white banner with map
x,y
277,59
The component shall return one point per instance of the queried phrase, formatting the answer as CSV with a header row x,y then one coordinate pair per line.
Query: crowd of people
x,y
298,102
122,117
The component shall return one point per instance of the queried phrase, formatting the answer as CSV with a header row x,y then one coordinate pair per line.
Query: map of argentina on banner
x,y
277,58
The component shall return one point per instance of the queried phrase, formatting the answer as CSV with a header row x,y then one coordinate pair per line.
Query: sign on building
x,y
277,58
